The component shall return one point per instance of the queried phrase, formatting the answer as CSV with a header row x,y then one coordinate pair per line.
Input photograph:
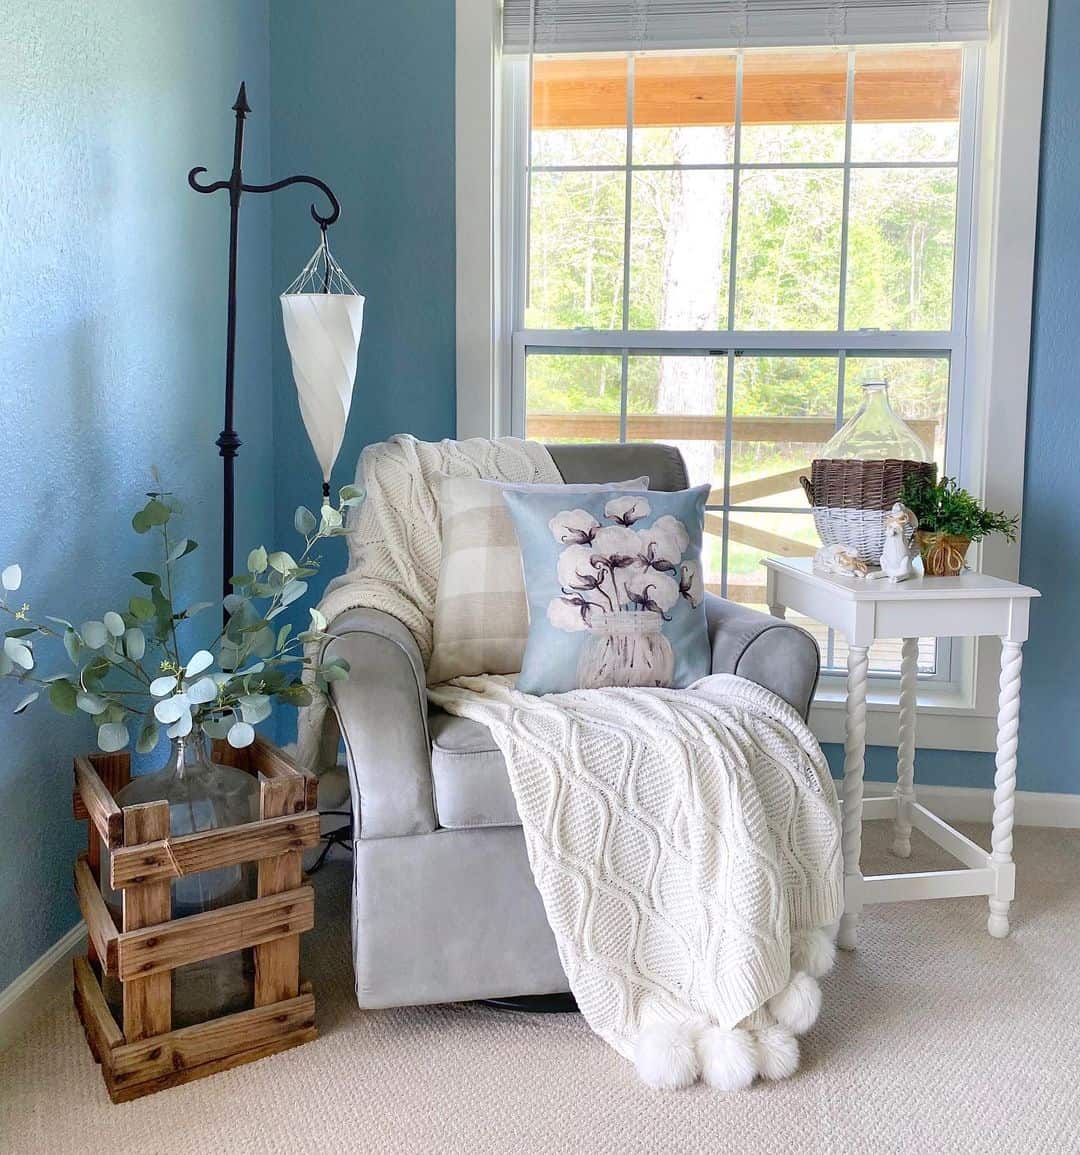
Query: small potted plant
x,y
950,519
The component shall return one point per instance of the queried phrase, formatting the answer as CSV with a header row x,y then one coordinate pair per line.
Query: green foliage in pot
x,y
943,507
130,668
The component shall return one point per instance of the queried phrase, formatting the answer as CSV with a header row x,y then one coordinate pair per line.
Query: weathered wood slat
x,y
147,1001
275,763
102,1033
124,1093
210,849
201,936
744,491
205,1042
763,539
99,923
277,964
93,801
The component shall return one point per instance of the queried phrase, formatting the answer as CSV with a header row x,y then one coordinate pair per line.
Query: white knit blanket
x,y
685,843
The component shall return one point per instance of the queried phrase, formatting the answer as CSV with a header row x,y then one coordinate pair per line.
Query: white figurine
x,y
839,560
896,554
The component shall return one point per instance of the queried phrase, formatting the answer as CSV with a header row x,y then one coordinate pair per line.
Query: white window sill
x,y
945,718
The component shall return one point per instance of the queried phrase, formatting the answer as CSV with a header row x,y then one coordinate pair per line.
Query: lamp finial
x,y
241,106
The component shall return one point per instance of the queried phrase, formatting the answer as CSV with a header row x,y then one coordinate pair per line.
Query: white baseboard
x,y
976,804
35,989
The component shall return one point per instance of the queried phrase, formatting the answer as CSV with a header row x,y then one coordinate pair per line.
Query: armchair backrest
x,y
587,464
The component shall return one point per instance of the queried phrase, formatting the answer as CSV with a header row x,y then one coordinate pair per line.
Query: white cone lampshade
x,y
323,333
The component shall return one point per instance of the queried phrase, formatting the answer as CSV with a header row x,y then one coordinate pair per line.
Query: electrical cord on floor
x,y
340,837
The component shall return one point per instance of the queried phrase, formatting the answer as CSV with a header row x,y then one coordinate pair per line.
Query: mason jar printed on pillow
x,y
615,590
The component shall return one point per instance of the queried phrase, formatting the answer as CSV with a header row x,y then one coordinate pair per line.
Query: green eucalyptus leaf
x,y
147,578
304,521
255,708
158,512
113,736
19,652
135,644
142,609
72,646
240,735
257,560
182,548
148,737
283,635
24,703
349,495
217,727
90,703
331,518
294,590
59,621
20,632
334,673
63,696
318,620
281,561
11,578
94,634
114,623
262,644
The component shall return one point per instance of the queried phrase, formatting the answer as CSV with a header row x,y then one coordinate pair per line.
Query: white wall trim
x,y
477,36
38,986
976,804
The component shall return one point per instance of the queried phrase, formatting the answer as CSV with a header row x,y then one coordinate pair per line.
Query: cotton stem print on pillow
x,y
627,582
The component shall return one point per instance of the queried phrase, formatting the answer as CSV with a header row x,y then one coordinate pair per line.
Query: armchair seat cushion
x,y
469,776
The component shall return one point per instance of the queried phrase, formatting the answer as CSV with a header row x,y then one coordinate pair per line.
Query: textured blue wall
x,y
363,96
112,332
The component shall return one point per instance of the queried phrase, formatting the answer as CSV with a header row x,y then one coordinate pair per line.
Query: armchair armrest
x,y
381,709
777,655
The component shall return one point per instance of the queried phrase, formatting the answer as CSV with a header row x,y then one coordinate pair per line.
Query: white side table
x,y
971,605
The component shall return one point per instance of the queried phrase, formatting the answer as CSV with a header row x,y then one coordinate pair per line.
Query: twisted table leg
x,y
854,754
905,748
1008,725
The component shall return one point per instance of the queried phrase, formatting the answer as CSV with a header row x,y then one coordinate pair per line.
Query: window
x,y
716,249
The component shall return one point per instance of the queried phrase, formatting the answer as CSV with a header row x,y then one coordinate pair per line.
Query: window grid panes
x,y
722,248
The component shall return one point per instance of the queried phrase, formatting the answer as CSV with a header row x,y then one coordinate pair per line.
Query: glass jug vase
x,y
202,795
875,432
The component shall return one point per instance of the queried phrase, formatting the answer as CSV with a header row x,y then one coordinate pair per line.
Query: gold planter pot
x,y
942,553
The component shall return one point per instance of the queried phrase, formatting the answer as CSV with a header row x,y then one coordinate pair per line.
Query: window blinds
x,y
637,25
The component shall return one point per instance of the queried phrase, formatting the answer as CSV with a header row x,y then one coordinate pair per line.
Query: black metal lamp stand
x,y
228,442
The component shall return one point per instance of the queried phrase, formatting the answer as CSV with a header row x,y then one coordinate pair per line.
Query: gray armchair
x,y
444,906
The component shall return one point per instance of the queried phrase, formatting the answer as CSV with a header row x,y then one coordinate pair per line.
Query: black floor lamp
x,y
319,334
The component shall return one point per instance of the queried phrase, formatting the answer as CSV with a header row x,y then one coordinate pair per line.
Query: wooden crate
x,y
144,1054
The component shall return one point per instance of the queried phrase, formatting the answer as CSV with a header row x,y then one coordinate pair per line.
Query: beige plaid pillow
x,y
481,615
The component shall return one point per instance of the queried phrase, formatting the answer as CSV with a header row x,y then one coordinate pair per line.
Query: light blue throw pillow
x,y
615,588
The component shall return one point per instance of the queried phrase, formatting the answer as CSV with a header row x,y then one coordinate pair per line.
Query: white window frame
x,y
956,715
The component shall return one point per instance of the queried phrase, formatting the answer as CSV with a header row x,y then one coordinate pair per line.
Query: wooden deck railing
x,y
710,427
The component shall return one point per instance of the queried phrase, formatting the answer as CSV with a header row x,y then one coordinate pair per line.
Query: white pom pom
x,y
729,1058
666,1055
778,1052
797,1005
812,951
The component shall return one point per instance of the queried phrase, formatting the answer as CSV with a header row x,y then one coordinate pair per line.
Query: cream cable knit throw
x,y
686,844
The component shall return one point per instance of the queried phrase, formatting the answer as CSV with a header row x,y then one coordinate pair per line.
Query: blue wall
x,y
112,338
363,95
111,341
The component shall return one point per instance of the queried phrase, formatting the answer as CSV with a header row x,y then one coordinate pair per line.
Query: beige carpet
x,y
934,1038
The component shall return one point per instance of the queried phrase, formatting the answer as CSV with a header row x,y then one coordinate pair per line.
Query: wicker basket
x,y
851,498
